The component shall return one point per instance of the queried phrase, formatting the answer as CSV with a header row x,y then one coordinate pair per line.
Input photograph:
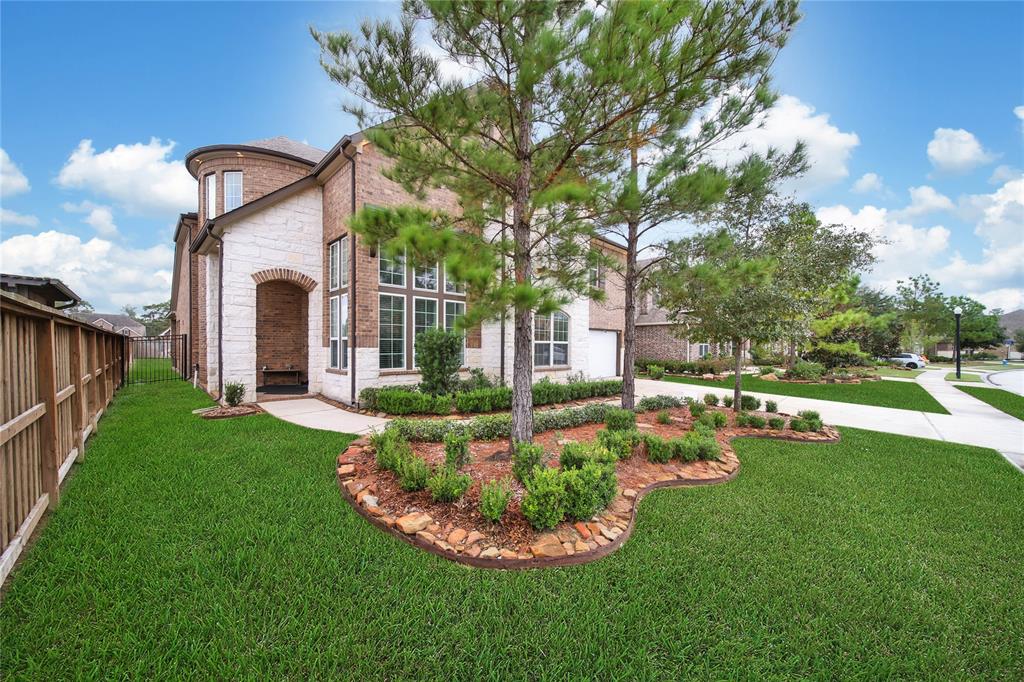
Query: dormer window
x,y
211,196
232,190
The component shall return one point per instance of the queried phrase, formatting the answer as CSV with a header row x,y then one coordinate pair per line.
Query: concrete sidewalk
x,y
970,421
316,414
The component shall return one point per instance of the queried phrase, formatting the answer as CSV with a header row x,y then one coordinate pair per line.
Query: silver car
x,y
908,360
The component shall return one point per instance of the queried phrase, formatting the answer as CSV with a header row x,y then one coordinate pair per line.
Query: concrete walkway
x,y
316,414
970,421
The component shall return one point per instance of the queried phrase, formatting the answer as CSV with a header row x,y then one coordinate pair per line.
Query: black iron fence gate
x,y
158,358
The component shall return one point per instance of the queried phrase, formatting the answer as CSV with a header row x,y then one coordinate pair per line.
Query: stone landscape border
x,y
615,535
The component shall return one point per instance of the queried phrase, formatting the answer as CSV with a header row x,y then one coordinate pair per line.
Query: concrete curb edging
x,y
828,435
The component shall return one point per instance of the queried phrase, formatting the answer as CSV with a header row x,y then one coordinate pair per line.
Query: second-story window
x,y
211,196
392,270
425,278
232,190
337,264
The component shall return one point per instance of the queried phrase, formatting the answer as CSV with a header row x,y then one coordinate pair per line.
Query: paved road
x,y
1012,380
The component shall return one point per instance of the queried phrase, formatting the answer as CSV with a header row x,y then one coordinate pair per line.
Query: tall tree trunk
x,y
522,358
737,387
792,353
630,282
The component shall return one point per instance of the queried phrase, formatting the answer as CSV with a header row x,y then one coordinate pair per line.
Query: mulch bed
x,y
226,412
458,531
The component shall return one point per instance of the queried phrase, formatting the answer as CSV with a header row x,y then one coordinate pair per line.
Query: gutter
x,y
220,311
352,287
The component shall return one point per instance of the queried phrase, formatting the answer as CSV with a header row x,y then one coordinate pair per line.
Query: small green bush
x,y
494,498
771,406
438,357
776,423
697,409
727,401
656,372
812,418
658,402
413,473
810,371
618,419
710,399
756,422
448,485
234,392
400,400
544,502
526,458
619,443
581,491
798,424
663,417
575,455
456,449
716,420
659,450
749,402
765,370
390,449
485,399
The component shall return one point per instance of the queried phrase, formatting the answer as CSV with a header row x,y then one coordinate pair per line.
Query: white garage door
x,y
603,352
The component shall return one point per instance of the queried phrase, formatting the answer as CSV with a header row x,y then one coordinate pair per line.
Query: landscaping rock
x,y
457,536
413,523
367,499
353,487
473,551
490,553
582,529
347,470
473,537
581,546
629,493
426,537
508,554
770,377
548,546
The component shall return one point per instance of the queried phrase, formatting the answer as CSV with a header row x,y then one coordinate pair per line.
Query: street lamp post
x,y
957,312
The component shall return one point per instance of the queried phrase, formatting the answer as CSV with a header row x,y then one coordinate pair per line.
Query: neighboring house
x,y
115,322
657,338
271,289
46,290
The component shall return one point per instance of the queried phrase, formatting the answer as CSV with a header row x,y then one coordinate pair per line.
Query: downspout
x,y
502,324
220,313
352,291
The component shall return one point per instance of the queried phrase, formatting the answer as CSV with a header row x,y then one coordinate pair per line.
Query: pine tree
x,y
549,80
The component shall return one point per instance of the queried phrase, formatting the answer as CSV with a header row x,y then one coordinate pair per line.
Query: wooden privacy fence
x,y
58,377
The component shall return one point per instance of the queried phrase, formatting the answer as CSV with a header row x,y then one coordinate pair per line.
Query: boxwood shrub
x,y
588,489
526,460
618,419
544,502
447,485
658,402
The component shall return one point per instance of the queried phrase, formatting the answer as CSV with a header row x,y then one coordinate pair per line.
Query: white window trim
x,y
551,340
240,189
333,265
453,290
405,271
412,326
405,326
706,351
333,315
343,350
464,347
211,196
437,278
343,258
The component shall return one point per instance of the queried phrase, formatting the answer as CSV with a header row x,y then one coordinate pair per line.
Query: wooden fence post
x,y
78,409
46,364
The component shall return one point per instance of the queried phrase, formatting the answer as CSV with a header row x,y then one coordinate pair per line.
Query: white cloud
x,y
999,216
1003,173
107,275
957,151
143,178
100,218
8,217
12,180
999,268
869,182
787,122
1019,113
925,199
1007,299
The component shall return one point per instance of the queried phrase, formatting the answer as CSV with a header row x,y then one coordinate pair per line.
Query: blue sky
x,y
890,97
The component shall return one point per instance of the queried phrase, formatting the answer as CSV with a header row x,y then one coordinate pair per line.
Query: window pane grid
x,y
392,270
551,340
211,196
333,263
232,190
392,332
425,278
343,260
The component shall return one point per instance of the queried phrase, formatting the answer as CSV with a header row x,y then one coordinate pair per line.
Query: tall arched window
x,y
551,339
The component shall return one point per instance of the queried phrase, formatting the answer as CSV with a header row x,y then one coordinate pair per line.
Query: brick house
x,y
272,289
114,322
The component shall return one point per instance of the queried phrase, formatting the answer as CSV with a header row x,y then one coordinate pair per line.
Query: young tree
x,y
551,79
978,328
1018,340
840,330
156,317
924,313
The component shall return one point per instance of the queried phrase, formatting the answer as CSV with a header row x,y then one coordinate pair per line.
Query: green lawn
x,y
901,373
1010,403
899,394
151,369
223,550
964,376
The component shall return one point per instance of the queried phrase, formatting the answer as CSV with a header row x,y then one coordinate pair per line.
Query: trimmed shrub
x,y
697,409
771,406
526,458
776,423
756,422
658,402
798,424
399,400
448,485
765,370
656,372
618,419
413,473
575,455
234,392
547,392
484,400
727,401
491,427
715,420
710,399
544,502
812,418
477,380
390,449
663,417
498,426
810,371
494,498
438,357
619,443
749,402
659,450
456,449
588,489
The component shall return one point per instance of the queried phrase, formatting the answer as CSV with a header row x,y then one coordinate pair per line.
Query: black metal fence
x,y
158,358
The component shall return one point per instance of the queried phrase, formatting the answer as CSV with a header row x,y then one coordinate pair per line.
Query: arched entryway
x,y
282,336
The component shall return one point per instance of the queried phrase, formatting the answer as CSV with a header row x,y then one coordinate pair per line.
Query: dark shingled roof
x,y
286,145
119,320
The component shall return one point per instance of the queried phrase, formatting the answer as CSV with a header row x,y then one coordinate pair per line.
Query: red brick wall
x,y
260,176
657,342
281,330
